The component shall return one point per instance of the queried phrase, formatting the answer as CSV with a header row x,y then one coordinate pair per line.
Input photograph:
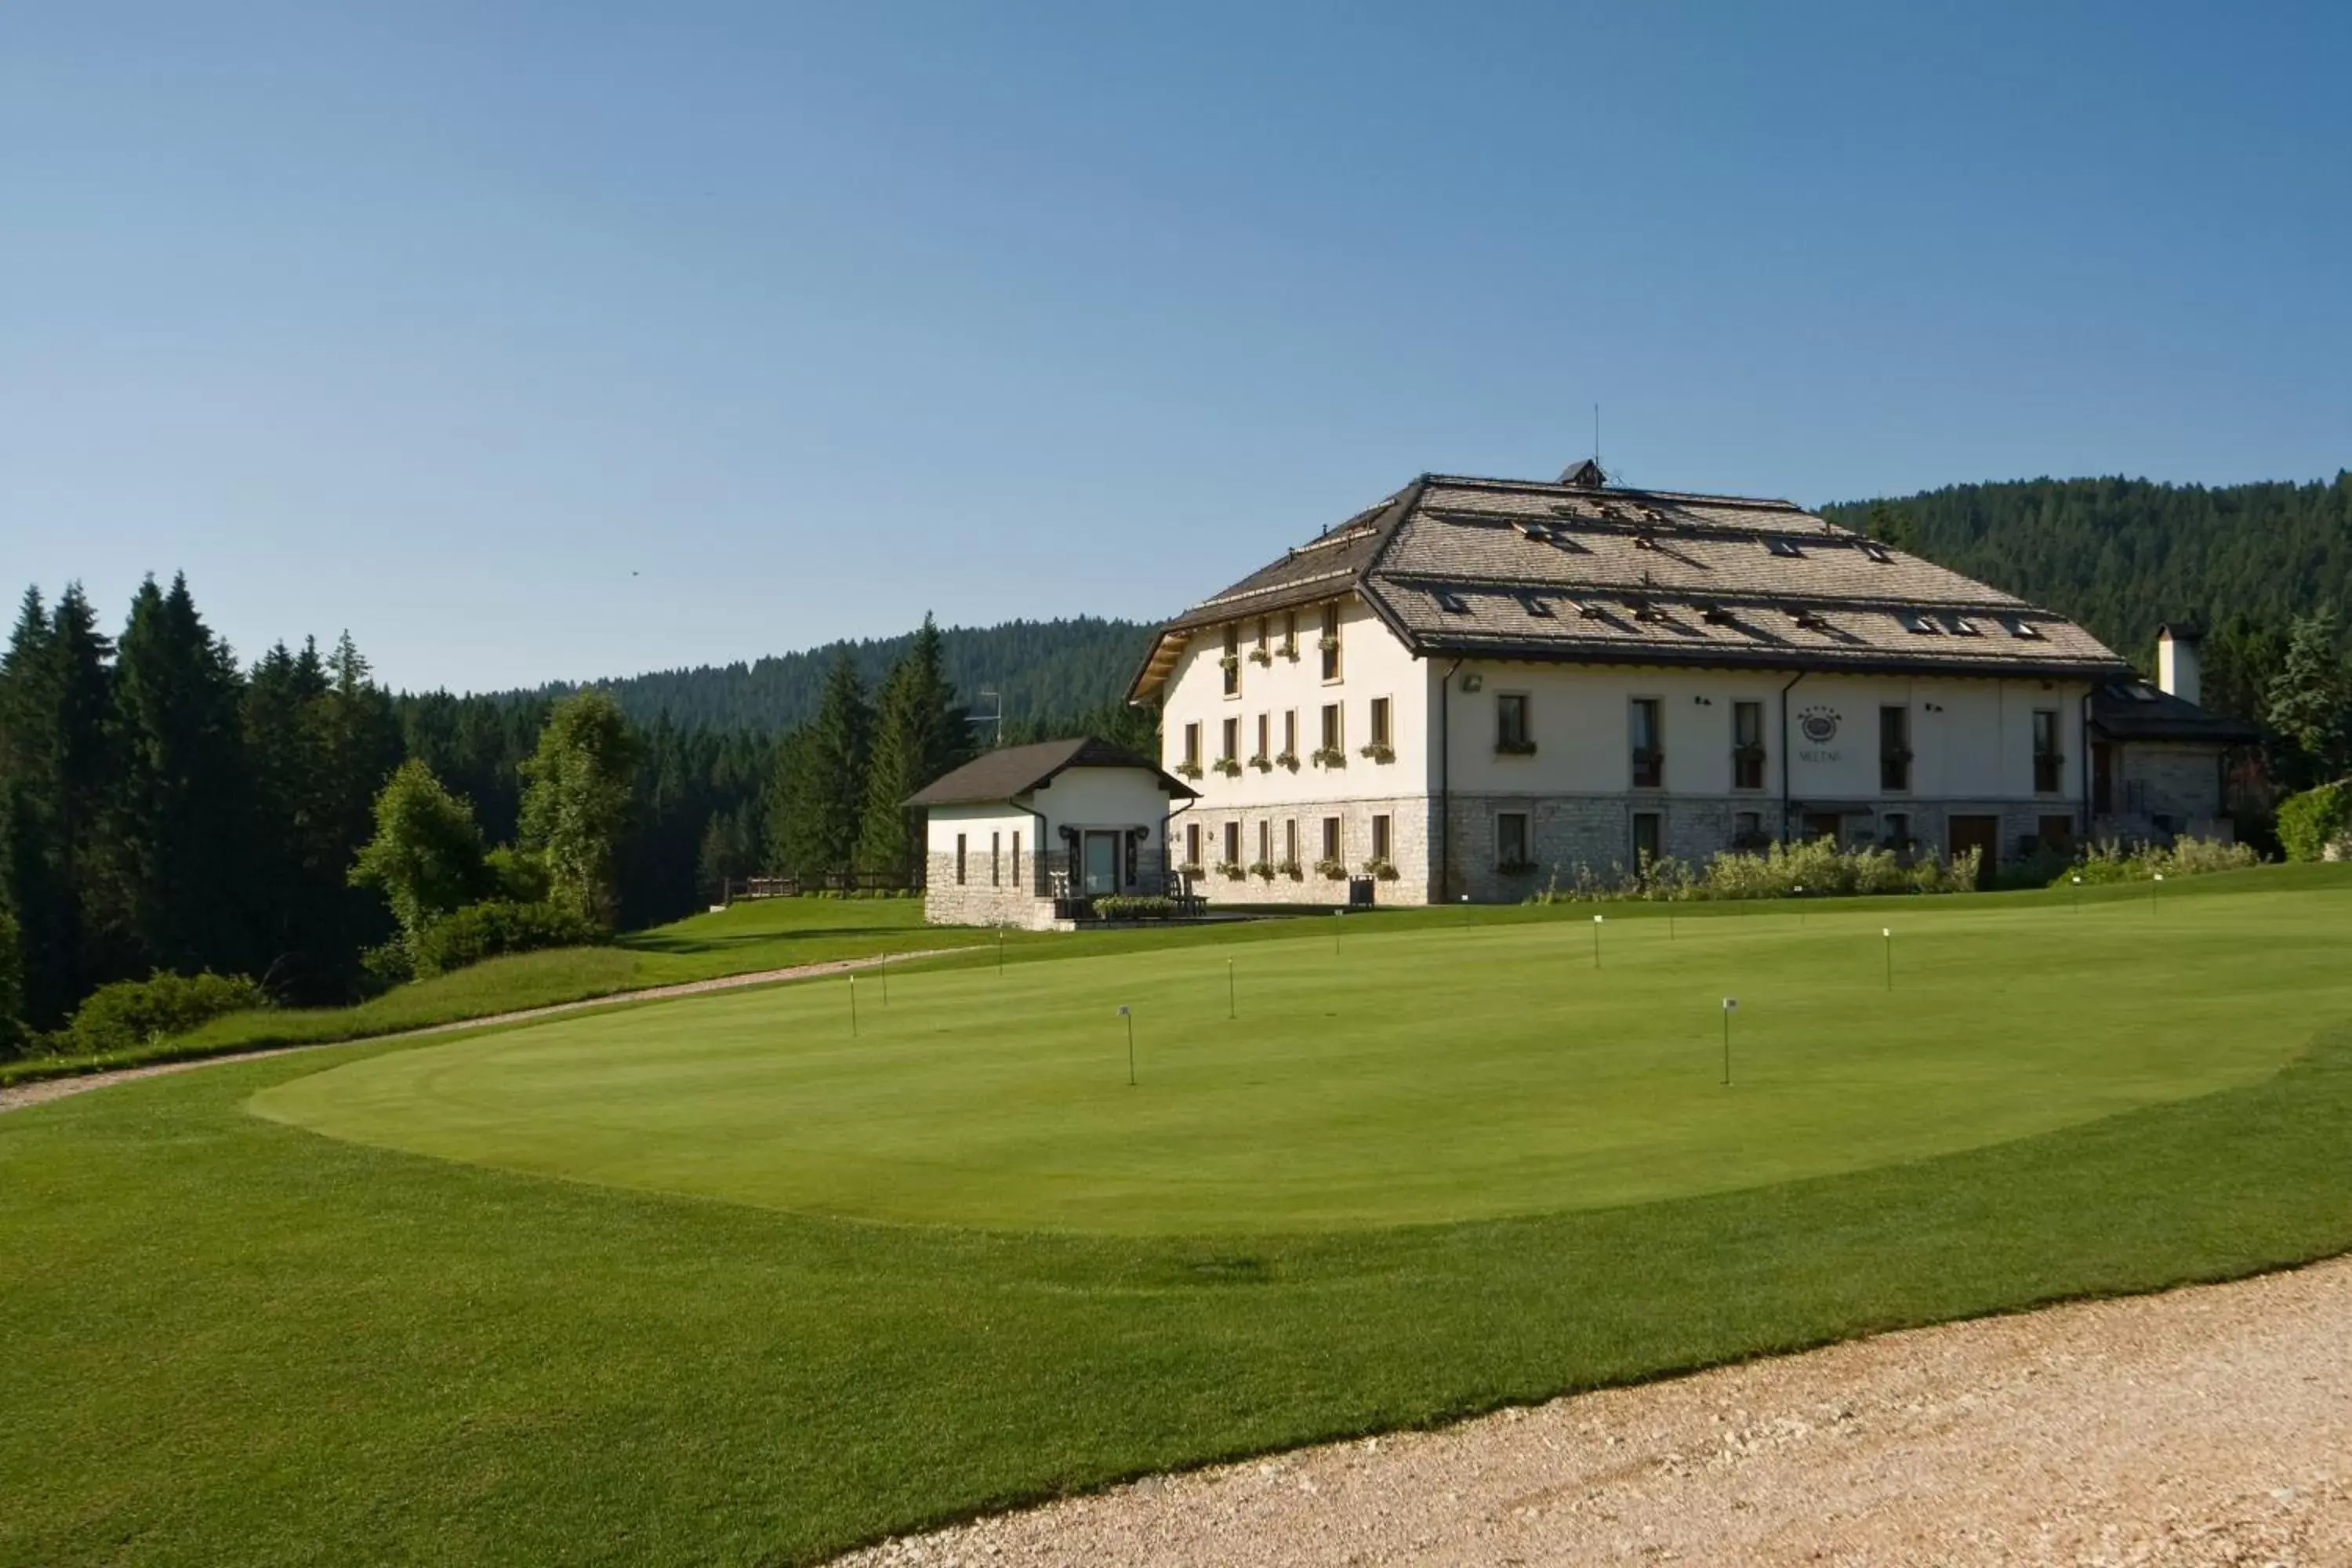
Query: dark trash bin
x,y
1360,892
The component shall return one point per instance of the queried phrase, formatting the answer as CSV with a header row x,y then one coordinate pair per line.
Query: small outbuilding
x,y
2159,763
1028,836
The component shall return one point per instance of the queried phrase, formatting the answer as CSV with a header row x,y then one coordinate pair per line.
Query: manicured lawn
x,y
229,1339
1397,1075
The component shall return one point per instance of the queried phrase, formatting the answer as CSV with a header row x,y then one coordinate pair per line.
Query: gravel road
x,y
2203,1427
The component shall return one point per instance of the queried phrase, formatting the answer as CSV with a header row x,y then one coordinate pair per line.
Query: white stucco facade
x,y
1993,761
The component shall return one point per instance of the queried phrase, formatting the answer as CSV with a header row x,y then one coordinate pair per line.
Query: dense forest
x,y
1043,670
2124,556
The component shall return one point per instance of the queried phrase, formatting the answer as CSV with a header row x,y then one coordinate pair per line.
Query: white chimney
x,y
2176,662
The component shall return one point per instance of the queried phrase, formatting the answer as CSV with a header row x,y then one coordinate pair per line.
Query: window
x,y
1536,606
960,860
1016,860
1331,838
1894,749
1331,727
1262,623
1264,729
1511,840
1290,736
996,859
1746,829
1780,546
2046,759
1330,642
1264,842
1291,634
1877,552
1192,747
1380,837
1380,723
1964,627
1511,736
2058,833
1747,745
1648,830
1233,659
1917,624
1898,830
1452,603
1290,842
2024,631
1192,845
1649,752
1232,740
1232,842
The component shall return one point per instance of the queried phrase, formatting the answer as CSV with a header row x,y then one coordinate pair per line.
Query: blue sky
x,y
565,340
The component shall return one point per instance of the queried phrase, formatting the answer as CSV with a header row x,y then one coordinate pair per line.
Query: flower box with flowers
x,y
1261,869
1261,656
1384,870
1230,870
1189,770
1329,757
1380,754
1262,763
1327,643
1230,766
1290,869
1286,760
1336,869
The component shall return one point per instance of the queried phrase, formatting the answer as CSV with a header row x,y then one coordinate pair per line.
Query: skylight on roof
x,y
1538,531
1779,545
2024,631
1452,603
1913,622
1963,628
1808,620
1878,552
1536,606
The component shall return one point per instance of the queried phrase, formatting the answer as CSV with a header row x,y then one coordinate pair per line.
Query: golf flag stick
x,y
1596,941
1730,1006
1130,1045
1230,1009
1888,932
853,1006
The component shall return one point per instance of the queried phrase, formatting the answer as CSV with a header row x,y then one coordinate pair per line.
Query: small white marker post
x,y
1465,911
2078,892
2153,887
853,1006
1130,1045
1730,1006
1000,950
1800,906
886,980
1888,932
1230,1006
1596,941
1337,915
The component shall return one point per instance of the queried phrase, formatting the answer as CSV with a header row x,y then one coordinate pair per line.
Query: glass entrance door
x,y
1101,863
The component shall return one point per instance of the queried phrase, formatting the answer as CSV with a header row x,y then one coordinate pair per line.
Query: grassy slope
x,y
1402,1075
230,1340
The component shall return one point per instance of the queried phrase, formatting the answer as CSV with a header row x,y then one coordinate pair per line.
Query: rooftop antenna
x,y
1596,435
995,718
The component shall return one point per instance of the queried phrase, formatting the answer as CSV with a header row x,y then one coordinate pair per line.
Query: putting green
x,y
1413,1076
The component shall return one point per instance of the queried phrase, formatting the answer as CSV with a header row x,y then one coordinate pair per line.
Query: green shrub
x,y
1778,871
1134,907
2105,863
133,1011
2308,823
486,929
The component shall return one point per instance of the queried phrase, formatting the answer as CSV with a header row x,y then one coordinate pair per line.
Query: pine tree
x,y
819,803
2308,702
919,733
180,883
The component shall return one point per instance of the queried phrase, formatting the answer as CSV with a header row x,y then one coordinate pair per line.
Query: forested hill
x,y
2122,556
1045,671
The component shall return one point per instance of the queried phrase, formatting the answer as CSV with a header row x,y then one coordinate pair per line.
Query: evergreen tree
x,y
2308,703
919,733
179,886
820,799
576,806
12,988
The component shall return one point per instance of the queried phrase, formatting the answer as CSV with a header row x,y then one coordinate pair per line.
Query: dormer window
x,y
1917,624
1781,546
1452,603
1715,616
1536,604
2024,631
1539,532
1645,542
1808,621
1964,627
1878,552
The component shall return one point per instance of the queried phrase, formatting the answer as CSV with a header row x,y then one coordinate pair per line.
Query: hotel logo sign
x,y
1819,725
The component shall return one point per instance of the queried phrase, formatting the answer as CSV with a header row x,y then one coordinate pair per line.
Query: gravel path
x,y
2203,1427
58,1087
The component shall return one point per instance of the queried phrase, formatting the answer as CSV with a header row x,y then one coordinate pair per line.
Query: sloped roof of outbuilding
x,y
2136,711
1013,771
1515,569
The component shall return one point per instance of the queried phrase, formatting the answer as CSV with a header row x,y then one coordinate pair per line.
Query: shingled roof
x,y
1015,771
2135,710
1512,569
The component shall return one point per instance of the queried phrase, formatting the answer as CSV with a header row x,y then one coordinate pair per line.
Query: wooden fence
x,y
828,882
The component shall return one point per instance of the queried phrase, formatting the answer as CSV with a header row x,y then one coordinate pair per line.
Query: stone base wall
x,y
1409,851
975,902
1596,833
